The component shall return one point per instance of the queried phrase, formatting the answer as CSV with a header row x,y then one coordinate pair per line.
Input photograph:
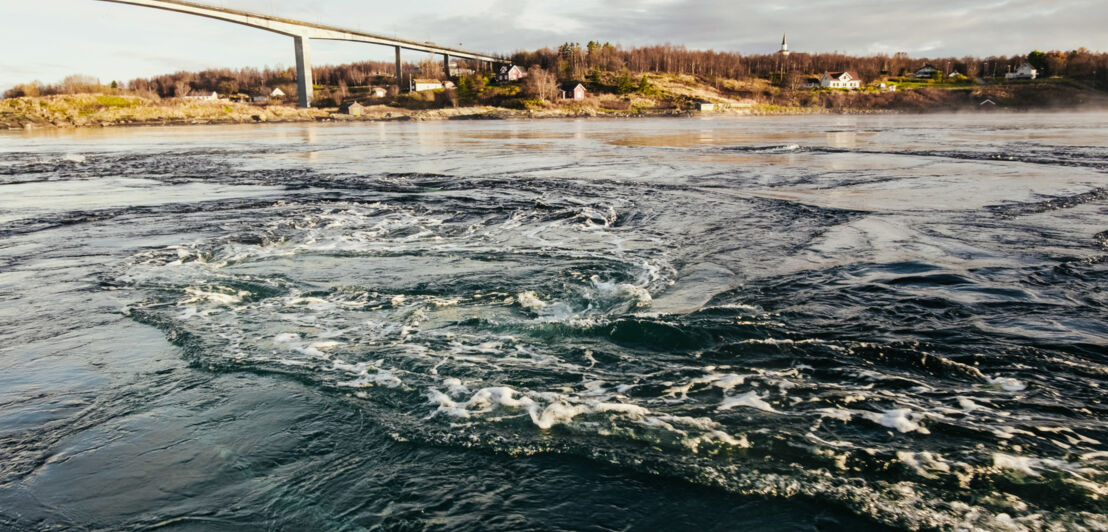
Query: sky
x,y
49,39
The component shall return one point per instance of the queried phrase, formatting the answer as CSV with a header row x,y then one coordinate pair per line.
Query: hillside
x,y
653,94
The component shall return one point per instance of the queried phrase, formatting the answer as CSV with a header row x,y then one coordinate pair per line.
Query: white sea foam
x,y
381,378
723,381
900,419
606,292
749,400
925,463
1022,464
454,387
836,413
198,295
967,404
530,301
1007,384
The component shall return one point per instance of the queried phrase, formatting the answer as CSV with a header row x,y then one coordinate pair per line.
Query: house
x,y
378,92
510,73
954,74
927,72
203,96
352,109
420,85
811,83
704,106
573,91
840,80
448,84
261,98
1025,71
277,93
456,70
888,87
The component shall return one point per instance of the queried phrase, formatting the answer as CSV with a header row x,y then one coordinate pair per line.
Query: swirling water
x,y
809,323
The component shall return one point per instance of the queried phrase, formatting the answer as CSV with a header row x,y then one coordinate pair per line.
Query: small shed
x,y
573,91
705,106
352,109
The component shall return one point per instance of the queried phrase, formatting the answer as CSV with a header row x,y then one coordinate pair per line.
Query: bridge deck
x,y
296,28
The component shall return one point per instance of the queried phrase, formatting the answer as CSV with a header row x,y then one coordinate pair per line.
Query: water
x,y
808,323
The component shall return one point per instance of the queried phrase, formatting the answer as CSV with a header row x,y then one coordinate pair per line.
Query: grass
x,y
96,109
117,101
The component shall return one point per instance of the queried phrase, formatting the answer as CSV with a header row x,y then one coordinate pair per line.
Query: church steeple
x,y
784,45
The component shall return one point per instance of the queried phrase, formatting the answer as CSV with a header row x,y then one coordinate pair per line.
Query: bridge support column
x,y
446,65
399,73
304,83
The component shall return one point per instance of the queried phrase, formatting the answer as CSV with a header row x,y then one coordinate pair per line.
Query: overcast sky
x,y
49,39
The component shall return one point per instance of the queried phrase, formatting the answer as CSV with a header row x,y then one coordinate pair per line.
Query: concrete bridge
x,y
303,32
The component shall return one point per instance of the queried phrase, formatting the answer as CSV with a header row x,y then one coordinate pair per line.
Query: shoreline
x,y
198,114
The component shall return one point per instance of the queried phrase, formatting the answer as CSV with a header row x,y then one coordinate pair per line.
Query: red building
x,y
510,73
573,91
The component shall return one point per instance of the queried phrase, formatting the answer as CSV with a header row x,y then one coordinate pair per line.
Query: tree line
x,y
250,81
574,62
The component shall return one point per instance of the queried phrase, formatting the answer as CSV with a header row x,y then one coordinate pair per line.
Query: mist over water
x,y
802,323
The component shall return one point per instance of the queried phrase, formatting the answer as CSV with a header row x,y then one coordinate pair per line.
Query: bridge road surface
x,y
302,34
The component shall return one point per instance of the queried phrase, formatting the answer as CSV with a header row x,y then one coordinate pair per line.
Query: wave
x,y
1041,155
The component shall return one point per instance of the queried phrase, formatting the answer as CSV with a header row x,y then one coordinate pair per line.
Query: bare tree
x,y
80,83
540,84
181,89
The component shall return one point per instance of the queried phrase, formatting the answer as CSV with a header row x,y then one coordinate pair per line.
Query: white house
x,y
203,96
927,72
1025,71
456,70
840,80
421,85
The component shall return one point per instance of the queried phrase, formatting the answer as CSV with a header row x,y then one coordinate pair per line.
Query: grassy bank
x,y
661,95
97,110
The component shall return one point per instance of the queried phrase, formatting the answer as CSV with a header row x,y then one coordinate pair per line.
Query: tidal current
x,y
791,323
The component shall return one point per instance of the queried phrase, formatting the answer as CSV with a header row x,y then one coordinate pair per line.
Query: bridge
x,y
302,34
